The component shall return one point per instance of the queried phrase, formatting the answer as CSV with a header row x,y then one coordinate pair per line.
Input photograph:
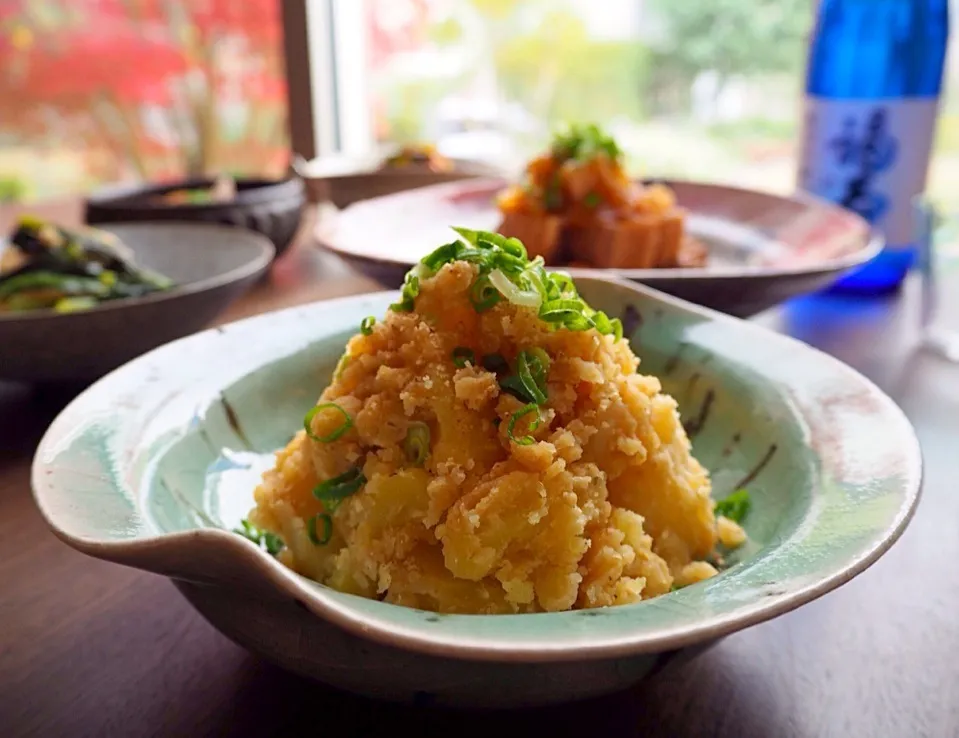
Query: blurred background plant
x,y
101,90
105,90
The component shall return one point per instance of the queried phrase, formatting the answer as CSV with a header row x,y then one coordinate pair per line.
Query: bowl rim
x,y
133,198
871,243
317,599
251,267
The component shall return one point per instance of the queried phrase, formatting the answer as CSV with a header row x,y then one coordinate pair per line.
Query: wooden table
x,y
89,648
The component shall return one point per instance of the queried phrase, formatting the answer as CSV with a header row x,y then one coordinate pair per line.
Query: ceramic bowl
x,y
271,207
152,466
344,181
211,265
763,248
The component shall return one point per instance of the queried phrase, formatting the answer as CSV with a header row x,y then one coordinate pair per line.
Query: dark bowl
x,y
273,208
210,264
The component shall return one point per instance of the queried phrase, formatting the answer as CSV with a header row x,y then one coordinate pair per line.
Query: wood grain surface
x,y
89,648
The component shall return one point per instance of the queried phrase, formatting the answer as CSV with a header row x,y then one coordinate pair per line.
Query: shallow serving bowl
x,y
763,248
345,181
211,265
152,465
268,206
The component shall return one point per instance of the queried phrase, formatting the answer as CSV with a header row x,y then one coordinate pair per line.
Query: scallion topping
x,y
526,378
495,363
416,445
462,355
366,326
411,289
735,507
335,434
534,424
333,491
592,200
483,294
341,366
506,272
326,532
264,539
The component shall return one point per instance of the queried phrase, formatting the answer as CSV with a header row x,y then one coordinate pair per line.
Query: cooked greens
x,y
47,266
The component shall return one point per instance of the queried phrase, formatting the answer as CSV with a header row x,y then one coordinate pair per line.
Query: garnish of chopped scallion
x,y
495,363
366,326
592,199
341,366
525,374
326,532
462,355
524,298
735,507
522,412
409,293
416,445
506,272
264,539
483,295
333,491
335,434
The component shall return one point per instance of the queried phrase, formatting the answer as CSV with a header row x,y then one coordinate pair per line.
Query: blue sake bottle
x,y
873,81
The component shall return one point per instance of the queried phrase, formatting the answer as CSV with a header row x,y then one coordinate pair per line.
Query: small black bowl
x,y
271,207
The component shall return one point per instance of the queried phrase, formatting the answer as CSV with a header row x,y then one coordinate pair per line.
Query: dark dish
x,y
47,266
271,207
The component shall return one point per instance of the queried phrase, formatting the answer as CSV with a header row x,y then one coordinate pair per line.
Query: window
x,y
706,89
94,91
701,88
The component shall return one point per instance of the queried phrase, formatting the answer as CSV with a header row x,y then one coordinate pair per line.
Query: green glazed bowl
x,y
155,463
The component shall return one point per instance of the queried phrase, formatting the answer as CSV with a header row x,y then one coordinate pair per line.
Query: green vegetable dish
x,y
48,267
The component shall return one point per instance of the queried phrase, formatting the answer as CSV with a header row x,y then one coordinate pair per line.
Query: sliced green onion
x,y
514,385
366,326
539,364
522,412
602,323
592,200
443,255
341,366
563,305
505,271
735,507
507,263
462,355
513,293
617,329
411,290
489,240
323,538
470,236
333,491
495,363
416,445
334,435
483,295
264,539
525,375
563,283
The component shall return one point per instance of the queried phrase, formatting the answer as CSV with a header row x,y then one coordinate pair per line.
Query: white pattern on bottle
x,y
871,156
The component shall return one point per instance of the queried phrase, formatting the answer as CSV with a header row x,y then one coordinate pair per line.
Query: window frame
x,y
325,50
